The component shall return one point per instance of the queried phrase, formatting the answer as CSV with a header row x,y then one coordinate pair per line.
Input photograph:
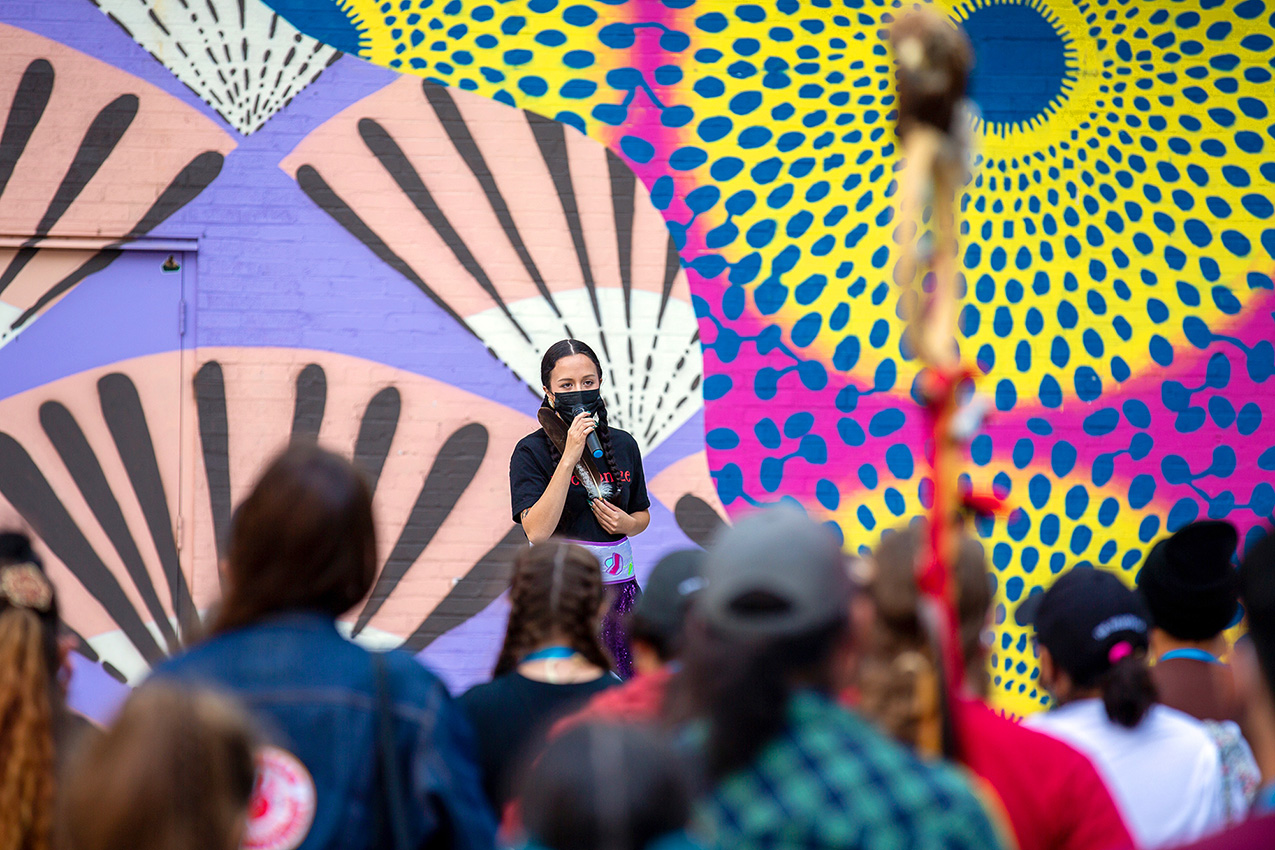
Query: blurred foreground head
x,y
173,772
773,617
606,787
1188,583
302,540
29,695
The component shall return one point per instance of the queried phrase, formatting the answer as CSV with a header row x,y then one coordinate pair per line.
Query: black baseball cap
x,y
1188,583
667,594
1088,620
1257,589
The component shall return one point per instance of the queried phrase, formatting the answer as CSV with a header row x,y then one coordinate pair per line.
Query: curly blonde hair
x,y
28,692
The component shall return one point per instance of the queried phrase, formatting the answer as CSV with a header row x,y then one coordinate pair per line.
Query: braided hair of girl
x,y
556,588
566,348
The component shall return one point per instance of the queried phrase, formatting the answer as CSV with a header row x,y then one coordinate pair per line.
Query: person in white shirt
x,y
1161,765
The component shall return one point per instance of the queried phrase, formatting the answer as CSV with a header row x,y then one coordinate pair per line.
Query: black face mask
x,y
566,403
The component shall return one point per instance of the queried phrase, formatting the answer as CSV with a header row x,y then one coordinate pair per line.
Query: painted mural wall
x,y
223,224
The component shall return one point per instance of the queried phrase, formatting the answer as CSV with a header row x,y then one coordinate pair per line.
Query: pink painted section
x,y
503,136
157,380
259,399
687,477
259,403
164,136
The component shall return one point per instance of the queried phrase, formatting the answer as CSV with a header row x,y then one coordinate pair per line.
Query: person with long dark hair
x,y
551,661
770,646
1162,767
590,492
360,746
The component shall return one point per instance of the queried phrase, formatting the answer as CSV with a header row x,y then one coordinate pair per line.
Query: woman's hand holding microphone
x,y
581,427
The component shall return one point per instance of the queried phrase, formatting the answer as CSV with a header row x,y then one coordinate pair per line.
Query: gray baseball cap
x,y
775,573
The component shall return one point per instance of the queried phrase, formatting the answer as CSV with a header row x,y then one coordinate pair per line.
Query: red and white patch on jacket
x,y
283,800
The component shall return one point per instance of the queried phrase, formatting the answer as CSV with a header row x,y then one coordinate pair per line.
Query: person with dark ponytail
x,y
591,492
1162,767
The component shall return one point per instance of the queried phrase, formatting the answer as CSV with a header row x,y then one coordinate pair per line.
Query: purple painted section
x,y
686,440
92,692
129,309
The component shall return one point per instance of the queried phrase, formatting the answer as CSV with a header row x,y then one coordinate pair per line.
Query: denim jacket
x,y
314,695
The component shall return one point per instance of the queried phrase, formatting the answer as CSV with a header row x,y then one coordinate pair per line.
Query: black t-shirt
x,y
511,716
531,467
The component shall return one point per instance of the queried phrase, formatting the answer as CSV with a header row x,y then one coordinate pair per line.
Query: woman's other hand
x,y
612,519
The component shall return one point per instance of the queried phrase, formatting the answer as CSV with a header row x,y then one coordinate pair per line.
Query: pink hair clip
x,y
1119,651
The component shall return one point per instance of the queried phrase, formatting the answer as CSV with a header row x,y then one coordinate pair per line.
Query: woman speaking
x,y
581,480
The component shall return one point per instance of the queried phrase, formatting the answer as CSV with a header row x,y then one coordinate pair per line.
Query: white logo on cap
x,y
1118,623
283,800
690,585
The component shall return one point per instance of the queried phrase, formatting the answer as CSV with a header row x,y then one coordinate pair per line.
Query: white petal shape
x,y
239,56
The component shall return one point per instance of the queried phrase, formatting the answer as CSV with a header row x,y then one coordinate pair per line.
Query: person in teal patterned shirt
x,y
786,766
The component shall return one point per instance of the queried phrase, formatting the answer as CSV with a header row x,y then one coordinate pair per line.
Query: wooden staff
x,y
932,59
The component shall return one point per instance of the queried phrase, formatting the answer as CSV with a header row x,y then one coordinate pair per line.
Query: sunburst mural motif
x,y
524,231
238,56
1015,89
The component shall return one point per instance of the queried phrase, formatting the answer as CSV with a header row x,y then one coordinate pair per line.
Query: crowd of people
x,y
781,695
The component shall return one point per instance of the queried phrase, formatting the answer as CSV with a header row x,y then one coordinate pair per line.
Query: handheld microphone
x,y
591,442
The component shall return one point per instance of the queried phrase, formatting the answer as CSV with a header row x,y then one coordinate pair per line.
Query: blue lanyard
x,y
1265,802
548,653
1191,653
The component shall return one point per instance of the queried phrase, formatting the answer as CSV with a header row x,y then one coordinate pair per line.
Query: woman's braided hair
x,y
566,348
28,691
556,589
